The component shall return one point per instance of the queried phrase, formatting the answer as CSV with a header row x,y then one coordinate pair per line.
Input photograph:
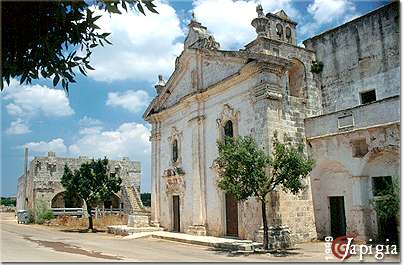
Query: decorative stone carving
x,y
176,135
228,113
175,182
261,23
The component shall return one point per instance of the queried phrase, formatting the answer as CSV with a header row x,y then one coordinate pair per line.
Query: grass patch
x,y
100,223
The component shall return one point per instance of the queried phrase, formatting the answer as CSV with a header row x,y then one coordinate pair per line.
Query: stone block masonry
x,y
42,182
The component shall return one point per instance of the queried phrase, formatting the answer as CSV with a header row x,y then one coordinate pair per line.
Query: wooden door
x,y
176,213
337,216
231,213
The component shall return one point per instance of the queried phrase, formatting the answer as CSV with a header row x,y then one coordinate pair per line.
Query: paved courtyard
x,y
22,243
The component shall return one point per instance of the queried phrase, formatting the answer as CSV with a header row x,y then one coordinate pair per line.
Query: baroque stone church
x,y
339,94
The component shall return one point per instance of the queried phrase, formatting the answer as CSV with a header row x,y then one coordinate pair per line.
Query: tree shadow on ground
x,y
75,230
272,253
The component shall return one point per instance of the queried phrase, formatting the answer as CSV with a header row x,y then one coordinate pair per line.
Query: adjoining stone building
x,y
42,182
356,140
269,86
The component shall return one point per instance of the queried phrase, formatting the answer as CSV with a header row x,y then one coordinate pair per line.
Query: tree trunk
x,y
265,228
90,225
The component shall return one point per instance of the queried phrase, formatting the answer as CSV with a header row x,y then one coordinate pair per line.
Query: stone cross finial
x,y
259,10
193,16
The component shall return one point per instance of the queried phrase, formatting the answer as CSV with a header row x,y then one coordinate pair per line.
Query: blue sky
x,y
102,115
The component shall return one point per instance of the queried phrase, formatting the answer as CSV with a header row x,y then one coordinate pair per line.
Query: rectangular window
x,y
380,184
360,148
368,96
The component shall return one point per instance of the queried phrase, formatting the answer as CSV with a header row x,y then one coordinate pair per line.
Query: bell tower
x,y
275,26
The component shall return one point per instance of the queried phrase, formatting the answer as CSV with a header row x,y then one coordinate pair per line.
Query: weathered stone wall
x,y
45,173
338,173
358,56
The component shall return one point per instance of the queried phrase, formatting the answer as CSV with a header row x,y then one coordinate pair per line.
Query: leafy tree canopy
x,y
54,38
91,183
246,171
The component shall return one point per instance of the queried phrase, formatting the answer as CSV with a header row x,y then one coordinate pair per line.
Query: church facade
x,y
267,86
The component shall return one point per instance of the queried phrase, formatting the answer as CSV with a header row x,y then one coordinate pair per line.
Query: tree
x,y
387,200
91,183
247,171
54,38
146,199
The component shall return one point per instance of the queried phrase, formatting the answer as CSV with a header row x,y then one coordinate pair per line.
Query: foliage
x,y
247,171
387,203
31,216
91,183
146,199
42,212
8,201
54,38
316,67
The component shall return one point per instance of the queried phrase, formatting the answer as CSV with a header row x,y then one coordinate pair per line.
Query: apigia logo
x,y
343,248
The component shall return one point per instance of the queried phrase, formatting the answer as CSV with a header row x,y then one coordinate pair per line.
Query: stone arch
x,y
296,78
329,178
61,200
384,163
113,201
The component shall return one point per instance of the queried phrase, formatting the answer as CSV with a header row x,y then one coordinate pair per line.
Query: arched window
x,y
296,78
228,129
175,151
288,34
279,30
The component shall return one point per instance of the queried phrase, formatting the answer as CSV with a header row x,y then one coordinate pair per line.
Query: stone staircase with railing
x,y
139,216
133,200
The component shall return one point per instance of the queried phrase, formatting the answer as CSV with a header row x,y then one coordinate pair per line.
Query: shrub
x,y
31,217
316,67
42,212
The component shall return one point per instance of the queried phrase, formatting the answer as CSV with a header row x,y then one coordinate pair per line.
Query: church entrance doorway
x,y
176,213
231,214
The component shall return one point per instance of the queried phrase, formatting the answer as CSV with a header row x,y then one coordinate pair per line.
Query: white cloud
x,y
18,127
55,145
230,21
130,139
90,130
143,46
326,11
89,122
133,101
30,100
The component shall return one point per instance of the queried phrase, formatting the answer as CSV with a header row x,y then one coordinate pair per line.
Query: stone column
x,y
155,174
198,226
